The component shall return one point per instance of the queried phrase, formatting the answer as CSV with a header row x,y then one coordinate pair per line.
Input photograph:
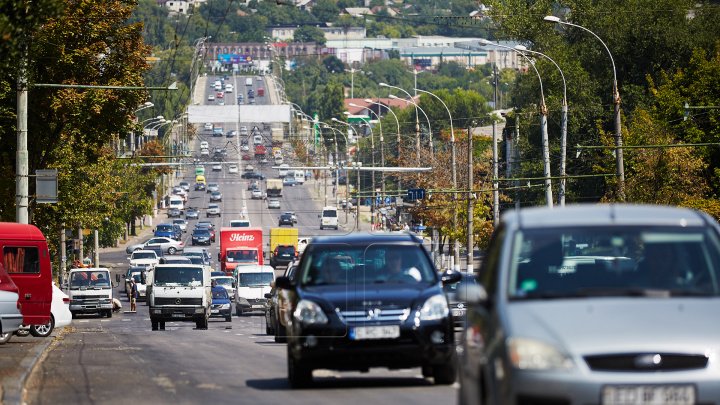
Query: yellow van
x,y
200,179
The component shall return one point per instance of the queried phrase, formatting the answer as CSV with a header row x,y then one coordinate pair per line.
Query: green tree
x,y
308,33
325,10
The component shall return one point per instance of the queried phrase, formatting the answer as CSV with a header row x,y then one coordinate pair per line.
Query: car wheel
x,y
445,374
5,337
237,310
228,318
43,330
154,324
108,313
299,374
280,333
171,250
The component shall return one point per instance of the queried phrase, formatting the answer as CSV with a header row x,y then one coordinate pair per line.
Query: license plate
x,y
178,315
258,306
458,312
375,332
214,311
648,395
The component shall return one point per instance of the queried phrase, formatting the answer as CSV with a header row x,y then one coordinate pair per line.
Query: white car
x,y
60,315
211,97
217,167
274,203
233,169
208,126
205,144
205,152
144,258
256,194
283,170
245,148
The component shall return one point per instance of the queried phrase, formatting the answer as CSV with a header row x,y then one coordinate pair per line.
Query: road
x,y
120,360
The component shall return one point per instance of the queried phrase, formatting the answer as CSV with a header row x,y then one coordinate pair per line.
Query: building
x,y
287,32
252,51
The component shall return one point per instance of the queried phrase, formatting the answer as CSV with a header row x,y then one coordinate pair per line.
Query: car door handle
x,y
28,296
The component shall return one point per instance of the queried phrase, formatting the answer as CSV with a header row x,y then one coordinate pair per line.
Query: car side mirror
x,y
219,256
450,277
284,283
473,294
268,295
234,285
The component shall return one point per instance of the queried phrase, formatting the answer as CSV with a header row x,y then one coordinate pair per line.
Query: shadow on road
x,y
342,382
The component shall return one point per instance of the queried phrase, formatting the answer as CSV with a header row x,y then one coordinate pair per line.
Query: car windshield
x,y
179,222
333,264
224,281
219,293
286,250
164,228
178,276
81,280
196,259
614,261
255,279
144,255
329,213
201,232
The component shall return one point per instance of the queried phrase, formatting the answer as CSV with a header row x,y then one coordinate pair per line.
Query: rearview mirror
x,y
284,283
450,277
234,285
268,295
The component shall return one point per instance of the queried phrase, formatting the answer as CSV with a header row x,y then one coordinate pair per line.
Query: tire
x,y
5,337
108,313
162,325
299,374
154,323
171,250
445,374
43,330
280,333
228,318
237,310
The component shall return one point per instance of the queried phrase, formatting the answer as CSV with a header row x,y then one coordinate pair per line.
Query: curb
x,y
12,391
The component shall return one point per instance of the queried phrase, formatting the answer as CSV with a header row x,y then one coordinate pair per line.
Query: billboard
x,y
234,58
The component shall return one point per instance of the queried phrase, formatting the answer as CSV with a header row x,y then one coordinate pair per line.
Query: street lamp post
x,y
543,127
382,146
397,122
620,166
432,153
456,244
563,125
417,119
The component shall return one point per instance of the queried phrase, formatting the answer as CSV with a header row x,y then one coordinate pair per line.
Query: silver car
x,y
213,210
10,316
168,245
595,304
273,203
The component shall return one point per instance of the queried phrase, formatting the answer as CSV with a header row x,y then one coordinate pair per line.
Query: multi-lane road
x,y
120,360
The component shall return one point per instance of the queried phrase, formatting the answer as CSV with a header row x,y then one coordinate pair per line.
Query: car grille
x,y
646,362
374,315
90,297
177,301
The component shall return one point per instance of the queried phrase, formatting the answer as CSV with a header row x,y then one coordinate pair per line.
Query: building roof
x,y
357,11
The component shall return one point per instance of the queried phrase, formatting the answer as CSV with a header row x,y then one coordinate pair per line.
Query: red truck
x,y
240,246
260,150
261,92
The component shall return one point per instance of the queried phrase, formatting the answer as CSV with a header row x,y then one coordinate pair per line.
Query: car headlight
x,y
435,307
310,313
225,306
530,354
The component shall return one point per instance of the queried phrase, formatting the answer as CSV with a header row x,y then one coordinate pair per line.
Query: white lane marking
x,y
84,321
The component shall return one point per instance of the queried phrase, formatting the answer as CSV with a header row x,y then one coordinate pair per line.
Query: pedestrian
x,y
133,295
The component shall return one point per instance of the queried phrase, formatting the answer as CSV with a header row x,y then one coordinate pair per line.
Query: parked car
x,y
285,219
221,305
275,306
201,236
273,203
10,317
403,321
213,209
601,303
216,196
192,213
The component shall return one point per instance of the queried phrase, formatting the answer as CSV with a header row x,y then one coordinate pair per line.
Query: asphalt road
x,y
120,360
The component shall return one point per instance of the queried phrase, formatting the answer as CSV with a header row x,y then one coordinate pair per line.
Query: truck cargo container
x,y
240,246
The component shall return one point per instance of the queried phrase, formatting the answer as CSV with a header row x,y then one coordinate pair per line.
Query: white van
x,y
176,201
299,176
252,282
228,88
329,218
248,81
257,140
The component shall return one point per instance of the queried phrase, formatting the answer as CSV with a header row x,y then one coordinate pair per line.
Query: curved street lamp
x,y
563,124
397,122
417,119
543,129
456,243
382,145
620,166
417,107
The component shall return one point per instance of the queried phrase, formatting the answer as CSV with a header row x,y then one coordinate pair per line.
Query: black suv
x,y
366,300
283,255
285,219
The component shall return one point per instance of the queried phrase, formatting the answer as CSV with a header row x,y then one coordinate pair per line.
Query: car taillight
x,y
182,243
66,300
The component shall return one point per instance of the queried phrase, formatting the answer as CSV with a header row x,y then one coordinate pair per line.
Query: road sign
x,y
415,194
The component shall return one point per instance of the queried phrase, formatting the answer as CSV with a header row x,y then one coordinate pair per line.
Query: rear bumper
x,y
252,304
10,322
178,313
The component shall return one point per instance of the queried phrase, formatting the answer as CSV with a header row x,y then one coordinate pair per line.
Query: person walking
x,y
133,295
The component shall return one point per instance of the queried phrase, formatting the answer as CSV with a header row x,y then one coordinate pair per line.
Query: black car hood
x,y
357,297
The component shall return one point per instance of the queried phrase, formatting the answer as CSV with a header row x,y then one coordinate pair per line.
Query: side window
x,y
21,260
489,271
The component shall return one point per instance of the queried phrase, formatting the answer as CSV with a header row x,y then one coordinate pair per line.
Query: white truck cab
x,y
179,292
90,291
252,282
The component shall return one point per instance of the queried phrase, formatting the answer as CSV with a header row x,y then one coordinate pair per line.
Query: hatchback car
x,y
595,304
273,203
221,306
199,186
292,215
216,196
233,169
210,229
365,300
192,213
283,255
174,212
217,167
182,223
256,194
213,210
289,181
285,219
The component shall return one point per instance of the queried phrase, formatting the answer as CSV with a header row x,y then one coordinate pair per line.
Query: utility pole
x,y
516,163
21,155
63,250
96,250
496,192
470,203
80,242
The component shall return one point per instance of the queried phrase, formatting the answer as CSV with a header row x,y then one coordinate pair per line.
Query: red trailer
x,y
260,150
240,246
